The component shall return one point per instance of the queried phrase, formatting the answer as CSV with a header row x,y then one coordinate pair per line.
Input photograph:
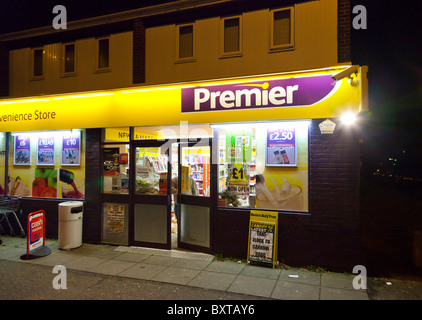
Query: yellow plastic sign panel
x,y
263,237
157,105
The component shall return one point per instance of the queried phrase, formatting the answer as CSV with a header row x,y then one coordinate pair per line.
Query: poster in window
x,y
281,147
45,151
22,150
71,154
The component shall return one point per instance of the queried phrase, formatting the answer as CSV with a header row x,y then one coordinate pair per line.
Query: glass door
x,y
115,193
193,205
150,209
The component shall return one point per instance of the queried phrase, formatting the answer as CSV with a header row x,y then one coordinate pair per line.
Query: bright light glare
x,y
348,118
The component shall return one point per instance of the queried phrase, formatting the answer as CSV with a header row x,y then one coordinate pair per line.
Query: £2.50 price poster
x,y
281,147
71,150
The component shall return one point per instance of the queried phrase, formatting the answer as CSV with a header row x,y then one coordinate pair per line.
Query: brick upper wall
x,y
343,31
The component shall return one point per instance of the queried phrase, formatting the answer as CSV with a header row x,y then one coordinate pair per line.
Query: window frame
x,y
63,60
291,44
229,54
32,63
185,59
99,69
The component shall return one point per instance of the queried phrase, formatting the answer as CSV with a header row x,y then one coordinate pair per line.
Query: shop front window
x,y
264,165
47,164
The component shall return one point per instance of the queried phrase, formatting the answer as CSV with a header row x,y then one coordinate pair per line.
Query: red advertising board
x,y
36,230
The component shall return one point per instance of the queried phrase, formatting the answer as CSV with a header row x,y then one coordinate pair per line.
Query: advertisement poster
x,y
36,230
71,155
22,151
185,179
239,179
281,147
263,237
239,146
206,176
45,151
115,219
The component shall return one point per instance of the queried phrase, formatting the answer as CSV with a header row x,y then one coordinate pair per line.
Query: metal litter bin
x,y
70,224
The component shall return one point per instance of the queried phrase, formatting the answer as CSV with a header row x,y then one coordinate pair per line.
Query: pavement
x,y
197,270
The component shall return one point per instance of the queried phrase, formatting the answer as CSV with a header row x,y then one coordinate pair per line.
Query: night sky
x,y
390,47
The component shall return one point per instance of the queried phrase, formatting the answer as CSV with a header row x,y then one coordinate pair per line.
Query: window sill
x,y
68,74
282,48
236,54
185,60
103,70
37,78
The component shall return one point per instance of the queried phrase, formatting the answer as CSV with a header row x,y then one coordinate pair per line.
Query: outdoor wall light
x,y
348,118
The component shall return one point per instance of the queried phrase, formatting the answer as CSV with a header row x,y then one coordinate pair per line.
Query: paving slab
x,y
251,285
112,267
191,264
225,267
300,276
213,280
160,260
337,280
128,256
84,263
142,271
342,294
55,258
260,272
286,290
176,275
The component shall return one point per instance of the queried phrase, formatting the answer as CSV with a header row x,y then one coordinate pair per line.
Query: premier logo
x,y
277,93
238,98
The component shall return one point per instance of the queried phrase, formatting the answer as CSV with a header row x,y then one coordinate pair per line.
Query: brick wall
x,y
138,51
343,31
92,213
334,167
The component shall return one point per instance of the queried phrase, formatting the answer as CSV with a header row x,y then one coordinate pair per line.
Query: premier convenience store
x,y
233,145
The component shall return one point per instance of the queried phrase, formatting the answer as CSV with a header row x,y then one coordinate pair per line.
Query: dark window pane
x,y
231,35
69,58
38,62
103,53
186,42
281,28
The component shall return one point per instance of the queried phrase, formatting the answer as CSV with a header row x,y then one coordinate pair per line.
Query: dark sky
x,y
390,46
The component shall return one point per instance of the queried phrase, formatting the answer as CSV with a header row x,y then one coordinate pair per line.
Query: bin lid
x,y
71,204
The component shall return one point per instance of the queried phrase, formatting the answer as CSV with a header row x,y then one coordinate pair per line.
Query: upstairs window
x,y
282,29
103,54
69,59
37,63
186,46
231,36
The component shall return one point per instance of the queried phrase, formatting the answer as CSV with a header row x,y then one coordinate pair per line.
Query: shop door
x,y
193,205
150,205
